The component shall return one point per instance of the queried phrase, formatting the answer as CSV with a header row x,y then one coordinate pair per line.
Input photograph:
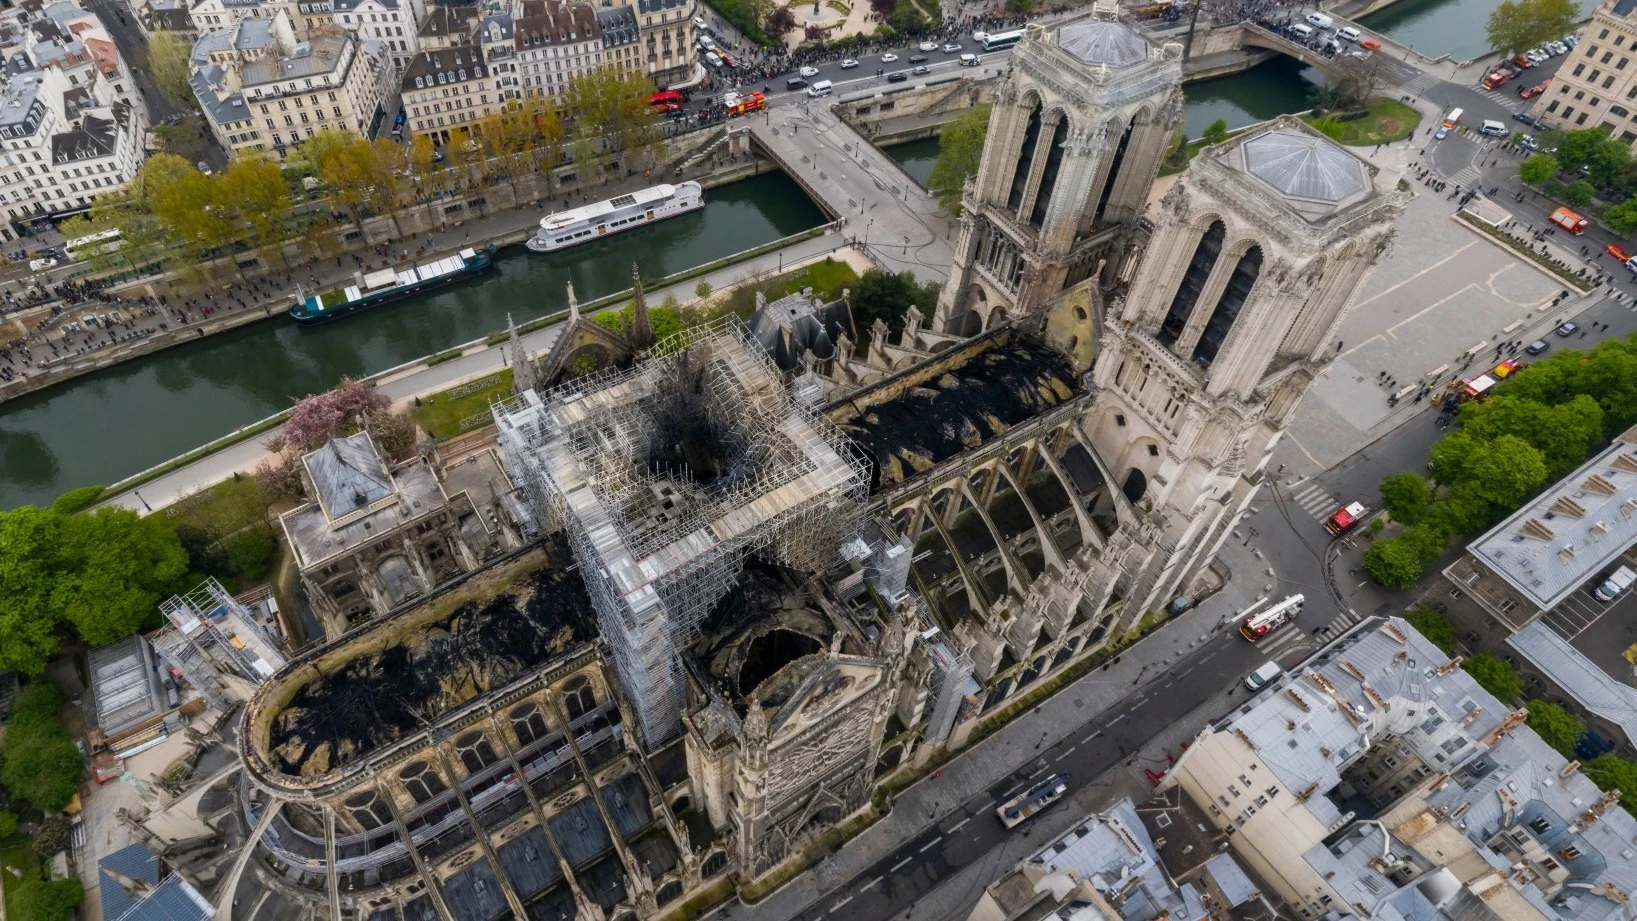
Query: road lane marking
x,y
837,906
1118,718
930,844
959,824
1067,752
1090,737
1037,773
869,884
899,865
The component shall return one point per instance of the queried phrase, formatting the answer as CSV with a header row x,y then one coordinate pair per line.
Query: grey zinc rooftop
x,y
1301,732
1571,531
1113,852
348,475
322,55
1580,678
124,688
1105,42
1311,172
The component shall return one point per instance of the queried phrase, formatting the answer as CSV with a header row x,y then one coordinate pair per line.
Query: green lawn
x,y
23,859
1389,120
441,415
826,278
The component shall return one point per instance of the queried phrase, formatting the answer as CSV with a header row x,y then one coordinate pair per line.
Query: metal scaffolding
x,y
665,476
210,632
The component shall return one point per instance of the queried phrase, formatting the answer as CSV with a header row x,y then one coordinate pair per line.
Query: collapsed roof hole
x,y
376,699
770,652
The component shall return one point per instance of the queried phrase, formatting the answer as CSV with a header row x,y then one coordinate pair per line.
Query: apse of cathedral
x,y
770,567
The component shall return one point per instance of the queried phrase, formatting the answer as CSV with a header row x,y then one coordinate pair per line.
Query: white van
x,y
1348,34
1617,582
1492,128
821,88
706,42
1302,32
1320,21
969,60
1264,675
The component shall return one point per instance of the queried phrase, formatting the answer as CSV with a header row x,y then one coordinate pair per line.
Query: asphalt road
x,y
967,831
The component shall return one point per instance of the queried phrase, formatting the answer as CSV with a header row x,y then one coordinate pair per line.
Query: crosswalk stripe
x,y
1315,501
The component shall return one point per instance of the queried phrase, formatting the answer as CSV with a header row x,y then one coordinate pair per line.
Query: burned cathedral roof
x,y
916,420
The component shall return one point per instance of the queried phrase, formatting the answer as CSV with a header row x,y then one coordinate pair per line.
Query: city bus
x,y
1257,624
95,244
665,101
1018,809
994,41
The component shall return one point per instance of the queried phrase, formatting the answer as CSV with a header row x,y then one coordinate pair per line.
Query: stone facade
x,y
1075,141
375,536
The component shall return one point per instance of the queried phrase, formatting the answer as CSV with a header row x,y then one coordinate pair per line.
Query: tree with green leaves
x,y
168,62
960,150
1556,726
1394,562
1406,496
1518,25
41,763
1579,192
1216,132
116,565
47,899
1538,169
32,538
1622,217
1434,625
1612,772
888,296
1495,675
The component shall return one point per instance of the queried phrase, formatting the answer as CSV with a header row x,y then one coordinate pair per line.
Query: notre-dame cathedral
x,y
778,560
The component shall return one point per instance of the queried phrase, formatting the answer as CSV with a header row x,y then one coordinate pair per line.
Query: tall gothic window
x,y
578,698
1025,159
1228,305
1193,281
422,782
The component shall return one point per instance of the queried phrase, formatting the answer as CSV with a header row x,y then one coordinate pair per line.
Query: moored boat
x,y
563,229
380,287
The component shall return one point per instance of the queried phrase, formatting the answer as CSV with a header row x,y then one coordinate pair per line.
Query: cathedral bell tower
x,y
1078,131
1256,254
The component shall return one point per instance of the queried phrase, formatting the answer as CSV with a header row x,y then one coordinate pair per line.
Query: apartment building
x,y
1379,780
1596,87
667,38
260,89
71,120
220,15
621,43
555,42
60,146
446,90
391,22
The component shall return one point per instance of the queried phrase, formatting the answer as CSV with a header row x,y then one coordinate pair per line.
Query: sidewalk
x,y
978,768
403,384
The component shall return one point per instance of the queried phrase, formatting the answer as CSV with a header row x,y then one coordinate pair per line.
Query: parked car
x,y
888,58
1524,117
41,264
921,70
929,46
1530,92
897,76
1370,44
1536,347
848,63
950,48
809,71
1568,329
917,59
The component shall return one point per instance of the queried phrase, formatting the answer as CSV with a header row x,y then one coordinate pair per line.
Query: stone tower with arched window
x,y
1078,131
1254,259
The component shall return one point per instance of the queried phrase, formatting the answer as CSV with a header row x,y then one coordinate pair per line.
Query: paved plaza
x,y
1444,289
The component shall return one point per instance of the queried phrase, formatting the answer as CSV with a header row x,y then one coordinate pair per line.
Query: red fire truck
x,y
665,101
1570,221
1256,624
740,103
1346,518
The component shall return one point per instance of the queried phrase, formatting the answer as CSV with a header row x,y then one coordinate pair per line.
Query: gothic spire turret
x,y
641,332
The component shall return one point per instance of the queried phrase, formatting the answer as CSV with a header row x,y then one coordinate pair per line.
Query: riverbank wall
x,y
498,215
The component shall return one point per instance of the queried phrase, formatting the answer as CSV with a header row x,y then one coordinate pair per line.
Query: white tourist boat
x,y
563,229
